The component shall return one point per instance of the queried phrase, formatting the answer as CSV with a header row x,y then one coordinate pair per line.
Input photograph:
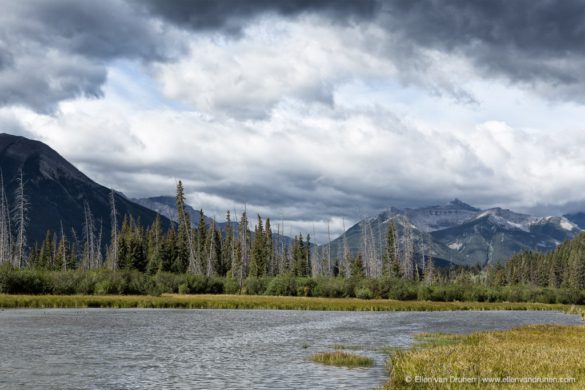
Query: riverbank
x,y
549,356
225,301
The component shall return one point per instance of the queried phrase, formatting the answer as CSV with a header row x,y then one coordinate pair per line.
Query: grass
x,y
538,351
343,359
225,301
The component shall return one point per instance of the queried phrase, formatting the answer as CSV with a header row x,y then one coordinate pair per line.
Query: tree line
x,y
201,248
239,252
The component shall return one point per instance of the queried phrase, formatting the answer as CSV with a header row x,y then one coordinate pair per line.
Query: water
x,y
215,349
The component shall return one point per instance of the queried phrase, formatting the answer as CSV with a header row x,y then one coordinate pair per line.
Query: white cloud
x,y
312,123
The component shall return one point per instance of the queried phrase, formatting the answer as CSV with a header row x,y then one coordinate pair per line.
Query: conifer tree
x,y
169,251
227,249
269,250
244,245
185,250
258,253
154,244
46,253
202,244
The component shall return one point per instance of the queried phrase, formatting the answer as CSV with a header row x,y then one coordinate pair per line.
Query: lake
x,y
216,349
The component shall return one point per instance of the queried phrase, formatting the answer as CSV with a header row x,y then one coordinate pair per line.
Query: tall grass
x,y
225,301
341,358
522,354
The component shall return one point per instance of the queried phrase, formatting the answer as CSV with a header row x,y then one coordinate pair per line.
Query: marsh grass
x,y
342,358
226,301
538,351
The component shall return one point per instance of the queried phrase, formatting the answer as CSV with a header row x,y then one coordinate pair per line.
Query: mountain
x,y
577,218
57,191
167,206
461,234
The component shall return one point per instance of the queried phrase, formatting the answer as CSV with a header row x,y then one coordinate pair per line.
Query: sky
x,y
315,113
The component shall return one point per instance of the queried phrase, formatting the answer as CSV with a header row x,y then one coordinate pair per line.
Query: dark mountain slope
x,y
57,191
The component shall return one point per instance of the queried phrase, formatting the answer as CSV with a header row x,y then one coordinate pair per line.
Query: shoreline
x,y
261,302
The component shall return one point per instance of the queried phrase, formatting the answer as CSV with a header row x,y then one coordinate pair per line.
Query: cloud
x,y
536,43
313,112
60,50
313,165
231,16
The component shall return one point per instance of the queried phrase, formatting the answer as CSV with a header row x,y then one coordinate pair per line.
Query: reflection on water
x,y
215,349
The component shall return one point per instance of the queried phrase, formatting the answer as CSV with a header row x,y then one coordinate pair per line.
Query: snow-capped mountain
x,y
462,234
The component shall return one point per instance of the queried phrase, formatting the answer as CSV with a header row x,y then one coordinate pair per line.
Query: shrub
x,y
305,287
363,293
184,288
282,285
255,286
329,287
231,286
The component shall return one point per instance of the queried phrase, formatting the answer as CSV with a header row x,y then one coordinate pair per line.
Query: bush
x,y
255,286
231,286
305,287
363,293
329,287
282,285
184,288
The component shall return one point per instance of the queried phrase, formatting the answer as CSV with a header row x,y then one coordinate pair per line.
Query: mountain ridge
x,y
57,191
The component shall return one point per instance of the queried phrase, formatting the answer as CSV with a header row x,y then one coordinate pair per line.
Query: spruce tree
x,y
184,254
258,254
269,250
227,249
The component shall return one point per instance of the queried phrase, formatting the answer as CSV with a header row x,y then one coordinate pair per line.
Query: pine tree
x,y
244,245
46,253
202,253
185,250
62,256
169,251
213,251
258,253
269,249
227,249
153,245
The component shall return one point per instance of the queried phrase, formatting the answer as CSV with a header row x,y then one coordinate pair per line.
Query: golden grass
x,y
538,351
341,358
225,301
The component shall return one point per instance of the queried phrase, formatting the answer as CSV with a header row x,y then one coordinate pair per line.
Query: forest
x,y
198,259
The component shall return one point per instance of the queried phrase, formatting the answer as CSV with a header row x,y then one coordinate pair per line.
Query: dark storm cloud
x,y
525,40
230,16
56,50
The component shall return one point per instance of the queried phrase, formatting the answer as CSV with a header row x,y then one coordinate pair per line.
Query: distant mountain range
x,y
455,232
57,191
465,235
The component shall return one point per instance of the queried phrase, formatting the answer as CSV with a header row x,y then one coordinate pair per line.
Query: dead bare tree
x,y
114,221
329,273
5,232
346,253
21,218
